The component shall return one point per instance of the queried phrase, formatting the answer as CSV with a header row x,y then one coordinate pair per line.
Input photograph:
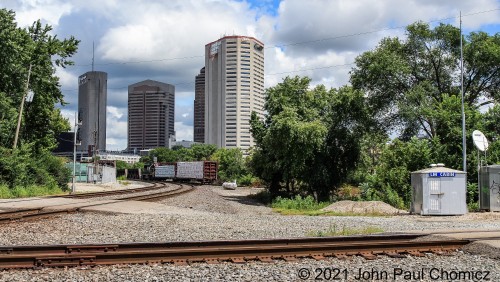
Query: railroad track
x,y
236,251
8,216
154,186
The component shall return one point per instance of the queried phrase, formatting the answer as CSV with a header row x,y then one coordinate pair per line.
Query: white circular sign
x,y
480,140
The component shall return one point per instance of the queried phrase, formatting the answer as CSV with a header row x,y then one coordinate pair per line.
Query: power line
x,y
292,44
284,45
270,74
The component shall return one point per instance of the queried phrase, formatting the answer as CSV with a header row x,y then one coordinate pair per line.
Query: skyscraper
x,y
199,108
234,87
151,112
92,101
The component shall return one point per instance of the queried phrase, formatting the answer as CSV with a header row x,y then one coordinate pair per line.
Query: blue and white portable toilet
x,y
438,190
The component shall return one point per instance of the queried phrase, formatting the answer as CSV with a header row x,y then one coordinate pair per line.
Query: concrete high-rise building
x,y
234,87
92,101
199,108
151,113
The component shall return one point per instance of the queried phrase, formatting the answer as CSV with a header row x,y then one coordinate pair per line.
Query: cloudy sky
x,y
164,40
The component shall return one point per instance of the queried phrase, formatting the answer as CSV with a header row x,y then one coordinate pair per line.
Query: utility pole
x,y
464,144
21,108
94,153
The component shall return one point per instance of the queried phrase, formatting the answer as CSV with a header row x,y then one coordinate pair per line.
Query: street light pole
x,y
464,143
21,109
77,124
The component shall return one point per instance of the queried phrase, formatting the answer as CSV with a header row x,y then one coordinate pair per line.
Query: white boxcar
x,y
165,171
190,170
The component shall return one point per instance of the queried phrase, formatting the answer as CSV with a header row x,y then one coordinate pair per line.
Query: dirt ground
x,y
377,207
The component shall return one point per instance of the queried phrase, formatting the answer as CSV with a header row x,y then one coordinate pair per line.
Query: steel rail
x,y
153,186
160,195
8,216
218,251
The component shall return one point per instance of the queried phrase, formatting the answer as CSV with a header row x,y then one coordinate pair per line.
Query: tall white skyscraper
x,y
234,87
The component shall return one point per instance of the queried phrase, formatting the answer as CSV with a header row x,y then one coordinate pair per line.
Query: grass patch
x,y
334,230
327,213
121,177
29,191
298,203
124,182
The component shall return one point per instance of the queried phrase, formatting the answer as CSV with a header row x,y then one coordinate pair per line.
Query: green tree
x,y
403,79
163,155
310,138
231,163
37,50
348,120
203,152
288,139
121,164
35,53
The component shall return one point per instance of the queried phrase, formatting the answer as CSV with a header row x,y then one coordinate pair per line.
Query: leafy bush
x,y
298,203
121,177
29,191
473,207
245,180
27,173
472,194
371,192
348,192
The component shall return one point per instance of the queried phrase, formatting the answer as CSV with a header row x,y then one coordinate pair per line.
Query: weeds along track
x,y
49,210
236,251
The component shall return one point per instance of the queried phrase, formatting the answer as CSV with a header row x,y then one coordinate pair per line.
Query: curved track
x,y
236,251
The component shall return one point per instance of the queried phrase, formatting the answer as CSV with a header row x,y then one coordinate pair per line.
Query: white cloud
x,y
183,132
49,11
116,130
114,112
332,32
178,29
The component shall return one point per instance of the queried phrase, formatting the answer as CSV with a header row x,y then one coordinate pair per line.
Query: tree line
x,y
400,113
28,61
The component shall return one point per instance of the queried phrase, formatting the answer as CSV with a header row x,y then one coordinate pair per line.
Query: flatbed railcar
x,y
205,172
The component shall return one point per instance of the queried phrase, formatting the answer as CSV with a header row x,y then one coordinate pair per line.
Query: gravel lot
x,y
211,213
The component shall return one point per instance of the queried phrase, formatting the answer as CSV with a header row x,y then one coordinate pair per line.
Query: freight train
x,y
201,171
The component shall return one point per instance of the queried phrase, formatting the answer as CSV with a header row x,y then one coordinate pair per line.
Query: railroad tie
x,y
180,262
394,255
289,258
266,259
341,256
415,253
211,261
238,260
318,257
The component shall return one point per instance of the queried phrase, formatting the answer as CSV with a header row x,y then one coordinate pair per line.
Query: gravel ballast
x,y
211,213
429,268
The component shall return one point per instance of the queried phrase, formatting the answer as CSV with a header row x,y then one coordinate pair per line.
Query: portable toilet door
x,y
435,195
